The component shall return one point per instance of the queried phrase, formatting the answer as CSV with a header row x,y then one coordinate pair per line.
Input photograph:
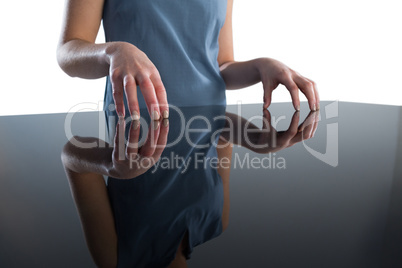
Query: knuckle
x,y
309,85
293,88
154,71
314,84
115,74
285,73
160,89
140,70
129,81
117,93
145,82
140,76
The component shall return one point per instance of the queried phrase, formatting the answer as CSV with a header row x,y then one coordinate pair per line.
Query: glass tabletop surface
x,y
306,189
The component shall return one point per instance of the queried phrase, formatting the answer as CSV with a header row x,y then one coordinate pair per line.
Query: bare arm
x,y
92,201
268,71
77,53
127,66
93,205
224,151
84,168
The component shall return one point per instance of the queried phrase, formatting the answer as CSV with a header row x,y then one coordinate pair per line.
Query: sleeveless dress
x,y
180,37
155,211
171,201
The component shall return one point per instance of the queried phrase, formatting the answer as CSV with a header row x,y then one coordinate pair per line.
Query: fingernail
x,y
314,109
165,122
298,108
135,115
155,124
318,106
165,114
155,115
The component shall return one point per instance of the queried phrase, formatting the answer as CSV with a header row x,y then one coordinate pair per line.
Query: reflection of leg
x,y
225,158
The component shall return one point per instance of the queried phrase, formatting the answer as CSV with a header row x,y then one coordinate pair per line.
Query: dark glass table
x,y
327,196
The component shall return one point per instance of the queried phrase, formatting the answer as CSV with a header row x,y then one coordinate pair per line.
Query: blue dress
x,y
155,211
172,201
180,37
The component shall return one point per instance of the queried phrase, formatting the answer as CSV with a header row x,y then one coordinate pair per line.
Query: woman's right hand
x,y
129,67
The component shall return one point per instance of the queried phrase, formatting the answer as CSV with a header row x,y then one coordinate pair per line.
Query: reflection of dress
x,y
154,211
180,37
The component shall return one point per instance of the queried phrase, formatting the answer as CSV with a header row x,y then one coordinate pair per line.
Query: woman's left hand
x,y
273,73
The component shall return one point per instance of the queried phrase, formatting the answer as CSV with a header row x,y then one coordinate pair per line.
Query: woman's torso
x,y
180,37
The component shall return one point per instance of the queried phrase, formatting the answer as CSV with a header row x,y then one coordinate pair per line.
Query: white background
x,y
352,49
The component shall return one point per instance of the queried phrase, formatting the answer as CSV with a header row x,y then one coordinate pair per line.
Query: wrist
x,y
258,66
112,48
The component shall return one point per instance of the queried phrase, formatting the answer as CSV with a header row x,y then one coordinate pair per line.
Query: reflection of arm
x,y
92,201
235,130
224,172
242,132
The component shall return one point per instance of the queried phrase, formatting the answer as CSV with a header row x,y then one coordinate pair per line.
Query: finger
x,y
316,123
292,130
130,89
308,121
117,91
149,146
308,90
119,141
304,130
161,95
268,88
308,130
162,140
266,120
317,96
148,91
268,130
293,90
285,137
133,137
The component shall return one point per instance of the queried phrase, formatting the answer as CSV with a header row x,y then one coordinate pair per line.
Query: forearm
x,y
240,74
239,131
84,169
79,58
93,205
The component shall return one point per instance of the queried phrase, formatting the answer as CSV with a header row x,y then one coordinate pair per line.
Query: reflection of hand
x,y
278,140
130,67
130,161
267,139
121,162
273,73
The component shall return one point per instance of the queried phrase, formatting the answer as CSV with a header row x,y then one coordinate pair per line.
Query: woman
x,y
177,50
182,49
